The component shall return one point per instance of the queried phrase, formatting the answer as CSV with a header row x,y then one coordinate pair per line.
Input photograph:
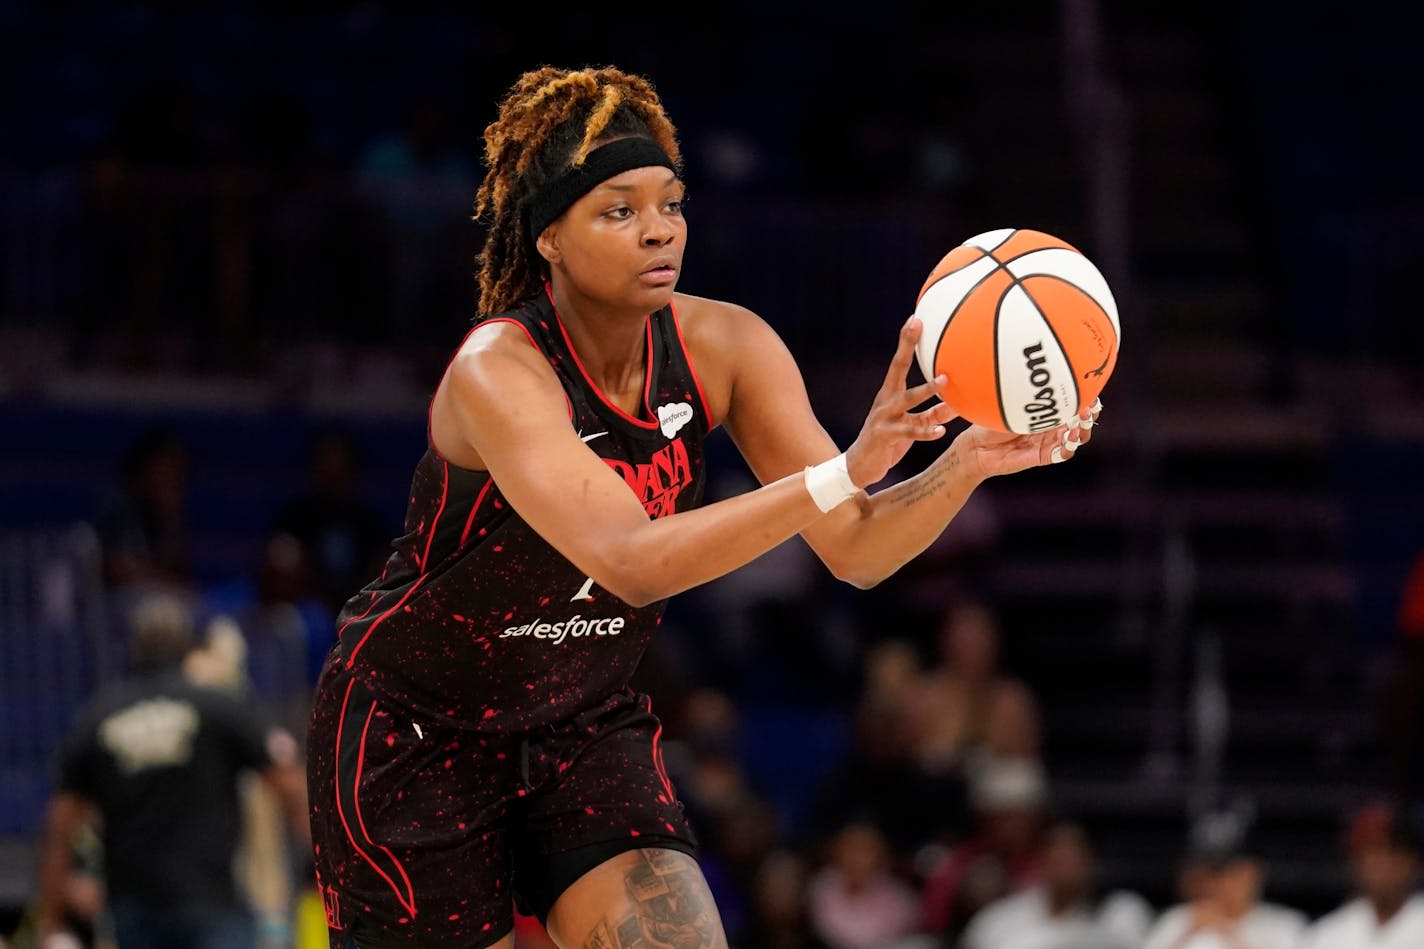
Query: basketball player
x,y
474,742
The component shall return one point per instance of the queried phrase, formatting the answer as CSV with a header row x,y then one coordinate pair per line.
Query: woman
x,y
474,740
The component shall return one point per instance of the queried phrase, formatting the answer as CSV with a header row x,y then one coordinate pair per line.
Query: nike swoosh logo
x,y
589,438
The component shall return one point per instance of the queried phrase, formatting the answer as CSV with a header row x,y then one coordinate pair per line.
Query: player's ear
x,y
547,243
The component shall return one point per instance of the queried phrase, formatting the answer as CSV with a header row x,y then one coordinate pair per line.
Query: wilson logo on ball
x,y
1024,327
1043,411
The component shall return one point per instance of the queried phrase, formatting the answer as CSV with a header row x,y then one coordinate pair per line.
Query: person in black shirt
x,y
157,759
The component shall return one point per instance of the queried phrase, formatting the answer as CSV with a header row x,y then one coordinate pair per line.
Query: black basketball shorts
x,y
427,835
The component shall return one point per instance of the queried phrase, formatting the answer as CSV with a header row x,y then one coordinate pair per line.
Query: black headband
x,y
602,163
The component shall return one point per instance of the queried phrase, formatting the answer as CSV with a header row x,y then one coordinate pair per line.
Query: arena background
x,y
246,225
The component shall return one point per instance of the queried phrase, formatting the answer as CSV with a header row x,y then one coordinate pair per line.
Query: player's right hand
x,y
891,426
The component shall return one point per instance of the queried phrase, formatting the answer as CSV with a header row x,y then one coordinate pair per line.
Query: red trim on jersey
x,y
430,408
424,561
509,319
474,509
356,797
341,812
647,369
648,380
687,358
377,599
351,659
530,336
658,765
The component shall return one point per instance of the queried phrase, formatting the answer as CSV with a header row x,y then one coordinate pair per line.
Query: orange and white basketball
x,y
1023,325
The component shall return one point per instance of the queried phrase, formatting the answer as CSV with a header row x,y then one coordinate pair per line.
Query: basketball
x,y
1023,325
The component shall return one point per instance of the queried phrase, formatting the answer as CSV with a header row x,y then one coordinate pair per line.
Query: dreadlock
x,y
548,123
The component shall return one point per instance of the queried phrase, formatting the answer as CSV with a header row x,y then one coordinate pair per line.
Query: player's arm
x,y
770,418
66,813
286,777
503,403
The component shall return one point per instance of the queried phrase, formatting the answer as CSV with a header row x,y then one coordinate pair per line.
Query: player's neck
x,y
609,341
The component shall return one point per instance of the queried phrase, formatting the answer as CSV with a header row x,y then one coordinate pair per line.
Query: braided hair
x,y
548,123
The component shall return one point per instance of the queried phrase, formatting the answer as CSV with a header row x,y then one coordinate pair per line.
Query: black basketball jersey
x,y
477,621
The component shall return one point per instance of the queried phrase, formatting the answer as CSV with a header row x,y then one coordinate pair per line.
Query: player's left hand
x,y
990,453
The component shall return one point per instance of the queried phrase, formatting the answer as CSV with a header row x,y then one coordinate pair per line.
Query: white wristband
x,y
829,483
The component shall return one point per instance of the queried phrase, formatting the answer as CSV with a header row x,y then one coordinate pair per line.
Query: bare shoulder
x,y
496,337
494,351
707,314
721,337
496,371
716,325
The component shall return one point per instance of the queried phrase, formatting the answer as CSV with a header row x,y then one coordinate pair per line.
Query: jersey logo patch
x,y
658,483
673,416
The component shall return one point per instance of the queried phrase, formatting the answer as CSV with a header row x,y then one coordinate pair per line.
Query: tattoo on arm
x,y
672,909
928,483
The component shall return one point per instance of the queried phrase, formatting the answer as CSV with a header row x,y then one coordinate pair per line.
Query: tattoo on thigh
x,y
672,911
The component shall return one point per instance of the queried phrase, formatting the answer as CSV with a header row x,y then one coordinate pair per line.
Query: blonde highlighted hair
x,y
548,122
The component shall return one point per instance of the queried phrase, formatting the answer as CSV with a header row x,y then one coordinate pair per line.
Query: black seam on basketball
x,y
1038,250
1112,346
982,254
1072,372
1091,299
934,369
990,253
998,311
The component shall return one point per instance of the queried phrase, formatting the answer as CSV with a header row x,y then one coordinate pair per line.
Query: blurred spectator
x,y
288,634
880,780
1064,910
1411,606
965,707
956,561
142,222
171,216
263,863
703,759
1008,799
82,919
1403,723
778,917
854,901
1194,874
1229,913
343,539
158,759
143,528
1388,913
287,628
736,827
424,182
773,641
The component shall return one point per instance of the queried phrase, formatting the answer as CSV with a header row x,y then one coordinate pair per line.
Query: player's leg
x,y
603,851
658,897
406,825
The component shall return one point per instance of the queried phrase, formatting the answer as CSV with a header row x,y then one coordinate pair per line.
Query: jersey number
x,y
585,592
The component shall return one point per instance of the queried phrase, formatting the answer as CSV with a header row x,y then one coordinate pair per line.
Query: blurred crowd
x,y
936,829
201,212
226,185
